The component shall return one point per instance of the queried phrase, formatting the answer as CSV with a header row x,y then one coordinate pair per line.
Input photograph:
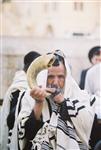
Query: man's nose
x,y
56,81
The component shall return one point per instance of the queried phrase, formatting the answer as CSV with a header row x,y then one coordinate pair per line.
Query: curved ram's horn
x,y
40,63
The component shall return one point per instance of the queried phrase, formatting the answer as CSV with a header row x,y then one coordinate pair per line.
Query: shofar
x,y
39,64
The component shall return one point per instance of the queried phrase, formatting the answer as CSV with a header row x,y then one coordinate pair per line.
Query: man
x,y
93,86
94,56
62,120
8,109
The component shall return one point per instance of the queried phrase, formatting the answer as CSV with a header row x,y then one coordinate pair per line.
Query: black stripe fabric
x,y
66,129
92,102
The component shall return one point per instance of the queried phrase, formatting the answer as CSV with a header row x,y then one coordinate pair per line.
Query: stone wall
x,y
50,19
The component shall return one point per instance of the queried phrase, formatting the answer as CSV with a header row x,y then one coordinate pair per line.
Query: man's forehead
x,y
56,69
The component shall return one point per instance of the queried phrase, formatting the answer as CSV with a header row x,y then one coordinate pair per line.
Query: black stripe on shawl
x,y
52,138
46,146
73,107
61,147
49,106
82,146
21,129
75,101
92,102
19,108
67,133
78,109
67,130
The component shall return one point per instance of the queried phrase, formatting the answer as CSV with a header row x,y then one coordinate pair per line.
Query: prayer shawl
x,y
59,134
19,82
92,85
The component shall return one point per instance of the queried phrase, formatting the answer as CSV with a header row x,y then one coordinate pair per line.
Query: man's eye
x,y
61,77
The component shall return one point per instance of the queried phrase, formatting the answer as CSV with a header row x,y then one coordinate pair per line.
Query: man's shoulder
x,y
85,71
95,67
93,70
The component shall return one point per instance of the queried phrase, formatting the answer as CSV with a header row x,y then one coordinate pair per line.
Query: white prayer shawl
x,y
77,132
93,86
14,138
19,82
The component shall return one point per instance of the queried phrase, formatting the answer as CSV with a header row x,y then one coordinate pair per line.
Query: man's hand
x,y
56,94
38,93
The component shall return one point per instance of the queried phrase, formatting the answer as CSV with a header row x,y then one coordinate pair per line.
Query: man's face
x,y
96,59
56,76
